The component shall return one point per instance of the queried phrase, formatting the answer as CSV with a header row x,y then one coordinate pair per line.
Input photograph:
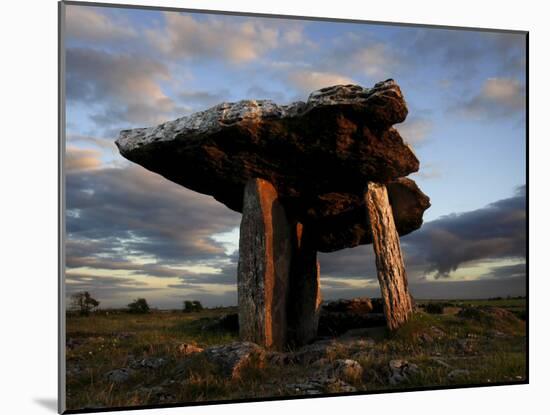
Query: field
x,y
119,359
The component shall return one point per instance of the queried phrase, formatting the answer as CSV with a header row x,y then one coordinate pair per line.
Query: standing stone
x,y
389,260
265,248
305,289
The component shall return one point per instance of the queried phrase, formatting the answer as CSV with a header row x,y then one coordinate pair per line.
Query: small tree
x,y
190,306
139,306
83,302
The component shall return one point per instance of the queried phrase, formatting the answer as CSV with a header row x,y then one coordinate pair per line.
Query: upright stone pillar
x,y
389,260
265,249
305,289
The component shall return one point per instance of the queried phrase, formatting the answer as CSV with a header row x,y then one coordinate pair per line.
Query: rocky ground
x,y
118,359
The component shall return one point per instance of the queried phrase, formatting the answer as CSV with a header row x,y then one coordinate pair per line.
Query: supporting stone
x,y
305,289
265,249
389,260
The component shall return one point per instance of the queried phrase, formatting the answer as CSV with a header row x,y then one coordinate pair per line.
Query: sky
x,y
131,233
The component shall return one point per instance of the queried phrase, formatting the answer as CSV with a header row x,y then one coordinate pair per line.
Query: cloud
x,y
363,55
429,171
92,24
79,282
495,232
347,58
358,262
118,88
377,60
201,99
104,288
235,39
106,144
128,225
310,80
132,211
227,275
482,288
121,264
259,92
507,271
498,97
463,53
77,159
415,130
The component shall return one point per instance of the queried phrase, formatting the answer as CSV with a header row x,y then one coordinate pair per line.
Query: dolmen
x,y
315,176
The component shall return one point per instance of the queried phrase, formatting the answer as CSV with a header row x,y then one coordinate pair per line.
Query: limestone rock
x,y
359,305
390,267
265,247
148,363
312,352
457,374
118,375
340,316
400,370
319,155
187,349
232,358
347,370
304,303
347,228
321,383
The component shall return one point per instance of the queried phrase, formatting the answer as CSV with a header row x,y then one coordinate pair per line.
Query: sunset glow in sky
x,y
131,233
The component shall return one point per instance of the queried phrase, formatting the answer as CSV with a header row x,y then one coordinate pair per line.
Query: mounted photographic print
x,y
260,207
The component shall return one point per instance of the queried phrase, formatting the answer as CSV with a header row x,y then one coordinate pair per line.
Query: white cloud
x,y
415,130
498,97
78,159
508,92
308,81
237,39
376,61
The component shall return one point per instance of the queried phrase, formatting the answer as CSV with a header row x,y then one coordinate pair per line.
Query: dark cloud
x,y
118,264
462,51
494,233
225,275
119,88
105,288
482,288
120,212
356,262
507,271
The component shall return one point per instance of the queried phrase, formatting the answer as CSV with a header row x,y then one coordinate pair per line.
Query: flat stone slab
x,y
318,154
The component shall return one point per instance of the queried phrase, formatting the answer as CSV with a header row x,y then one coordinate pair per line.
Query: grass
x,y
491,348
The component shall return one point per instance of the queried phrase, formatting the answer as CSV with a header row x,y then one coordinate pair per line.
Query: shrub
x,y
434,308
139,306
83,302
190,306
